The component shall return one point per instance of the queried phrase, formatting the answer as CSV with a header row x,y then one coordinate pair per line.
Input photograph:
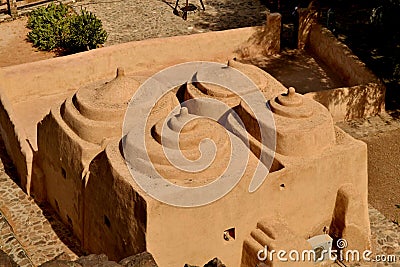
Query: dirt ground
x,y
382,136
14,48
384,176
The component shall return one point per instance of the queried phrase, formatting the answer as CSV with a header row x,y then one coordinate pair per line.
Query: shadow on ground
x,y
223,14
299,70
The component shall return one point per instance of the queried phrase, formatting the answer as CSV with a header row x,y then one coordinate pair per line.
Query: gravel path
x,y
30,234
132,20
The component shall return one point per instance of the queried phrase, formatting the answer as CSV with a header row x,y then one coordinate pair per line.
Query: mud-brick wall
x,y
54,76
348,103
364,95
15,142
339,57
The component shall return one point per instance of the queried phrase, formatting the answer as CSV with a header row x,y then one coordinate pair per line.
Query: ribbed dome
x,y
96,113
108,101
291,105
189,162
303,126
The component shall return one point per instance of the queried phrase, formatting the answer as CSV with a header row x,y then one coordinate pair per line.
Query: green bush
x,y
47,25
85,32
57,27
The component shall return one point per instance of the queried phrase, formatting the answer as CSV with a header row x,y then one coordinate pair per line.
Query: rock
x,y
214,263
92,260
85,261
6,261
144,259
60,263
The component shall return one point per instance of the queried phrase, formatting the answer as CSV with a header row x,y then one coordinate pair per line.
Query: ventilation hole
x,y
63,173
229,234
282,186
107,221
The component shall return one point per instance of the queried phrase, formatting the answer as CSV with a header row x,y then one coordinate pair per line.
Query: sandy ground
x,y
382,135
14,48
384,176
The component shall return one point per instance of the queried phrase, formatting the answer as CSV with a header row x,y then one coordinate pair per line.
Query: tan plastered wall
x,y
116,226
176,236
338,57
365,94
63,157
15,141
348,103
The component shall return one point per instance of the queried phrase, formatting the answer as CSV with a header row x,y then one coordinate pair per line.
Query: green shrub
x,y
49,14
57,27
85,32
47,25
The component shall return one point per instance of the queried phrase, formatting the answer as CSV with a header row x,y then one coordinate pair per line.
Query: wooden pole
x,y
12,8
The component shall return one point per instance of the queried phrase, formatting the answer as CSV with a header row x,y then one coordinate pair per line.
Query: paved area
x,y
385,238
10,244
361,128
30,234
